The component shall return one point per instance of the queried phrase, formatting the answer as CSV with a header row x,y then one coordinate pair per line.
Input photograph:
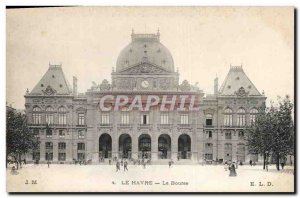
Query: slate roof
x,y
52,83
237,81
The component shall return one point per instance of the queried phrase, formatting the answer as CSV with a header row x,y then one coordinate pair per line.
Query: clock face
x,y
145,84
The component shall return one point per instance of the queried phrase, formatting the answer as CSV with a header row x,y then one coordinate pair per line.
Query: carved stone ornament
x,y
144,68
241,92
49,91
185,86
105,86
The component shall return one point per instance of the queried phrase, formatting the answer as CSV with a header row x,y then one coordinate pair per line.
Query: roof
x,y
238,83
145,48
52,83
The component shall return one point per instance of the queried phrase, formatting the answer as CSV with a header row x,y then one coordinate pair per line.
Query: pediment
x,y
144,68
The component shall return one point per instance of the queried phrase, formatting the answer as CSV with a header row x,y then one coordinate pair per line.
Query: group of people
x,y
231,166
119,164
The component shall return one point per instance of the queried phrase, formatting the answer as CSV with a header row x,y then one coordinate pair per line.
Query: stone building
x,y
74,126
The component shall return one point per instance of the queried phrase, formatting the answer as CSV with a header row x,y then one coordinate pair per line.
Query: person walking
x,y
125,165
170,163
250,162
232,170
48,162
117,166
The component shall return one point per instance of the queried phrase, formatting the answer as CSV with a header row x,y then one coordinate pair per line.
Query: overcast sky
x,y
204,43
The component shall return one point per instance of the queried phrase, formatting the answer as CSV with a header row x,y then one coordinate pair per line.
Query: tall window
x,y
36,115
62,156
81,119
49,133
144,119
80,146
49,145
49,115
184,118
208,134
253,113
125,118
36,132
62,116
49,156
241,135
80,134
61,145
228,117
208,120
164,118
208,151
241,117
62,133
105,118
228,135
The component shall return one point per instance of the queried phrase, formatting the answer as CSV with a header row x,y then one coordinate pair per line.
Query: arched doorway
x,y
145,146
164,146
184,147
125,146
105,146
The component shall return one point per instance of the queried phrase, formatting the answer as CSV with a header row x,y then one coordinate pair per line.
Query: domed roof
x,y
145,48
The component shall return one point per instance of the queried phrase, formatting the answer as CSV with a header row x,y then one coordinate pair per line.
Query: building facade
x,y
107,120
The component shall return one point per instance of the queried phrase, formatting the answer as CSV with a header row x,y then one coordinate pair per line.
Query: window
x,y
144,119
105,118
209,120
184,119
208,151
36,115
228,135
62,116
36,156
81,119
61,145
48,133
241,135
36,132
62,133
49,115
80,133
208,134
241,117
253,113
80,146
49,156
208,156
80,156
125,118
164,118
228,117
61,156
49,145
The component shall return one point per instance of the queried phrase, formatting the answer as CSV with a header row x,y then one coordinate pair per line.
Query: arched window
x,y
62,116
241,117
49,115
228,117
36,115
253,113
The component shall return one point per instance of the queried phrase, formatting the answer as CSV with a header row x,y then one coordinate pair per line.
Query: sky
x,y
204,42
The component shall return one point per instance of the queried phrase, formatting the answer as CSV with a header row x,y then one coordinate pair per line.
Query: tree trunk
x,y
264,156
277,161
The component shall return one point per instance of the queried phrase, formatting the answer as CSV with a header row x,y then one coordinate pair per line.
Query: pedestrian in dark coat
x,y
125,165
250,162
232,172
117,166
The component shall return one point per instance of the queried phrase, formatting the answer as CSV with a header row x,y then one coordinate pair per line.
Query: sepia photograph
x,y
150,99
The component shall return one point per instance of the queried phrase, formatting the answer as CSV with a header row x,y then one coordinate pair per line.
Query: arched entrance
x,y
125,146
105,146
164,146
145,146
184,147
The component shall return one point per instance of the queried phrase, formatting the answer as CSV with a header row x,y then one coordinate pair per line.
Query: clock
x,y
145,84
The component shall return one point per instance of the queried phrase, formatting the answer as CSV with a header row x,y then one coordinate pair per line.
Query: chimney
x,y
216,86
74,85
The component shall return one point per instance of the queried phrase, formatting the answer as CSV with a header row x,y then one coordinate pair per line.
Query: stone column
x,y
174,146
114,144
234,152
134,144
154,146
42,151
55,152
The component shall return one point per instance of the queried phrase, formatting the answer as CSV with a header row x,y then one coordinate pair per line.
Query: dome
x,y
145,48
